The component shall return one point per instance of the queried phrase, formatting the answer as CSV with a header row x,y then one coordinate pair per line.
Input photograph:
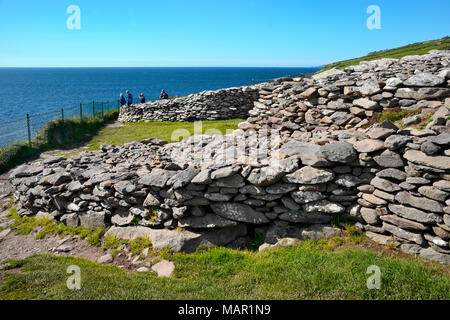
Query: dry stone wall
x,y
310,152
227,103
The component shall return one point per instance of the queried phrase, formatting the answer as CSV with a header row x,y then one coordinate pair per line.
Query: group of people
x,y
129,99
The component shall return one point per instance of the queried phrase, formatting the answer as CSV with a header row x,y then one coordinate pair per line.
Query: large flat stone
x,y
324,206
303,217
238,212
419,202
414,214
384,185
265,176
431,254
368,145
418,157
308,153
303,197
403,223
424,79
207,221
176,240
157,178
341,152
407,235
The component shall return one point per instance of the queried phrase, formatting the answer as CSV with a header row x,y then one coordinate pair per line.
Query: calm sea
x,y
44,91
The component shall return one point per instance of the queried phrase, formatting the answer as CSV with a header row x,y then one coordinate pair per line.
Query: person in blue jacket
x,y
129,98
122,100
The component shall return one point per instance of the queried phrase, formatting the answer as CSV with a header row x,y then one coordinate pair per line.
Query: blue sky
x,y
209,32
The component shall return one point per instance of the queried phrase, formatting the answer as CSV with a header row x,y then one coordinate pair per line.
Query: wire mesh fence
x,y
31,130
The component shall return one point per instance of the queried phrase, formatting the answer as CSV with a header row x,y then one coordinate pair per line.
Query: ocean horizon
x,y
44,91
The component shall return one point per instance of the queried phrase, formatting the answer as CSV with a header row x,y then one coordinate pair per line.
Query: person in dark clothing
x,y
129,98
142,98
122,100
163,95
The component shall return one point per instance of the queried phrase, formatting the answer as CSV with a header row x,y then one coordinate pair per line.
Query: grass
x,y
333,268
169,131
397,114
113,242
310,270
394,115
46,226
53,134
418,48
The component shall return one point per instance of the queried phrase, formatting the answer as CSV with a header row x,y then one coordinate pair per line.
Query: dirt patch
x,y
115,124
67,151
22,246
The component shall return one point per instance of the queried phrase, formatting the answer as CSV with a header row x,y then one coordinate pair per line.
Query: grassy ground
x,y
332,268
54,134
412,49
137,131
311,270
27,224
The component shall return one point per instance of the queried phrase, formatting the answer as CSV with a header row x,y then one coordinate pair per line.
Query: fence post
x,y
28,127
81,112
93,109
62,114
103,113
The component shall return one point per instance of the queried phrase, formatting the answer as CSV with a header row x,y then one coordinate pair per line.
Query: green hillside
x,y
417,48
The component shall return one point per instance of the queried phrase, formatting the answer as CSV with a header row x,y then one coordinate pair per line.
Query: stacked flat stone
x,y
288,178
307,108
207,105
